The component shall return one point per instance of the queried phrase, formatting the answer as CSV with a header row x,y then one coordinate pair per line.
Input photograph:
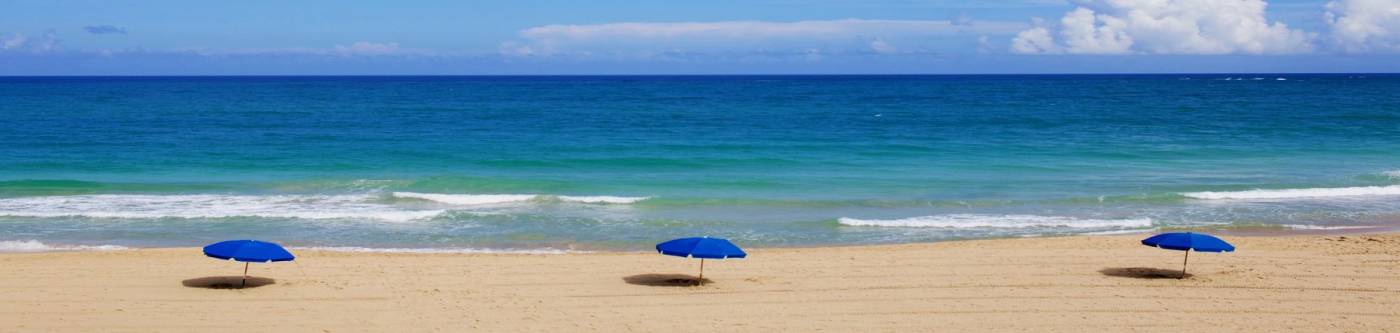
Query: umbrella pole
x,y
245,277
1183,263
702,272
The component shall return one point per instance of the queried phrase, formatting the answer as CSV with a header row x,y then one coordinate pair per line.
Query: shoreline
x,y
1274,283
1237,231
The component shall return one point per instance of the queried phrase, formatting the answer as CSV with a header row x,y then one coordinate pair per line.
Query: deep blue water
x,y
623,162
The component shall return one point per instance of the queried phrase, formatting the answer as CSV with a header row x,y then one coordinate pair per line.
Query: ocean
x,y
598,163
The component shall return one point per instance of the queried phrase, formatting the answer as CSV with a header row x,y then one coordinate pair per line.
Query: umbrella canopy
x,y
1182,241
248,251
701,247
1188,241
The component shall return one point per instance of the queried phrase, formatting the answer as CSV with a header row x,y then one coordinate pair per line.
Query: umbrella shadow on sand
x,y
1143,273
665,280
227,282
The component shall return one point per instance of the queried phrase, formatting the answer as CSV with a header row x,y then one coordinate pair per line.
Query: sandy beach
x,y
1283,283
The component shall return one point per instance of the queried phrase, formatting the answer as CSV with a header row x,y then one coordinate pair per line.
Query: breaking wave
x,y
316,207
978,221
490,199
1300,193
1327,227
210,206
37,246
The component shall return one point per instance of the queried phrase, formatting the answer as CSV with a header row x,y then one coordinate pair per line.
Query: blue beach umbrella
x,y
701,247
247,251
1188,241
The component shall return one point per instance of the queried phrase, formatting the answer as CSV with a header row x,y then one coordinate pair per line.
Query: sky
x,y
543,37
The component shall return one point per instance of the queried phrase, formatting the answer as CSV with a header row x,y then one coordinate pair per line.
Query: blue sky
x,y
193,37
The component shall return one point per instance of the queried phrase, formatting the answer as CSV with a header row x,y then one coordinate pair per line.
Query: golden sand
x,y
1093,283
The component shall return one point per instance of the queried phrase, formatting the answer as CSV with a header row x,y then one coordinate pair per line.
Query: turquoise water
x,y
601,163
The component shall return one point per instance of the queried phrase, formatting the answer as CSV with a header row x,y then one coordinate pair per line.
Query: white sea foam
x,y
211,206
1117,232
1300,193
435,250
1393,174
492,199
602,199
1327,227
37,246
971,221
196,206
467,199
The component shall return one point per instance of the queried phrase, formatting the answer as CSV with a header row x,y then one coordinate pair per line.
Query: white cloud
x,y
356,49
524,50
13,41
17,42
984,44
1365,25
881,47
759,29
1165,27
825,36
1084,32
1034,40
368,49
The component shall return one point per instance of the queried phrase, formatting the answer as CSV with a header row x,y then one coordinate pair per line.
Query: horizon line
x,y
692,75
